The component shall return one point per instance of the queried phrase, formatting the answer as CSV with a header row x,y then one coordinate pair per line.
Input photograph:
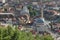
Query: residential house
x,y
25,12
56,23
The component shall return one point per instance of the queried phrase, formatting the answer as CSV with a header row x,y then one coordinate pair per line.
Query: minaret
x,y
41,9
41,12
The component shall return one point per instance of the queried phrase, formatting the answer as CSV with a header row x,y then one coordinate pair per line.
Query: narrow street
x,y
54,35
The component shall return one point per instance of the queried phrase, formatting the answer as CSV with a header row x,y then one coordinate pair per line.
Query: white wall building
x,y
4,1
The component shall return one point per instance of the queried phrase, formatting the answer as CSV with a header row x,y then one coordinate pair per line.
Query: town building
x,y
25,11
3,1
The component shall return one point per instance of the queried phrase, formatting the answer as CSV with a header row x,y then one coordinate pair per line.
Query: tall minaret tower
x,y
41,12
41,9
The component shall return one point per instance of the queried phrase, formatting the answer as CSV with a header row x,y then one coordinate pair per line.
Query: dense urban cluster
x,y
36,16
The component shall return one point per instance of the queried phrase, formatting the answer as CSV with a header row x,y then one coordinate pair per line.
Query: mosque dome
x,y
39,20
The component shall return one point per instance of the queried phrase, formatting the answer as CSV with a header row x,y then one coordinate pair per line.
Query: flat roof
x,y
5,13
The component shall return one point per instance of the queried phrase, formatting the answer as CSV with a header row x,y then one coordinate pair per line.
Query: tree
x,y
38,37
32,11
48,37
10,33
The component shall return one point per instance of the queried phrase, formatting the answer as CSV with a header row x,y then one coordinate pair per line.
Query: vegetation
x,y
10,33
32,11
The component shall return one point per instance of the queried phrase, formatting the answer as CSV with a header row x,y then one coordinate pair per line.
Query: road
x,y
56,36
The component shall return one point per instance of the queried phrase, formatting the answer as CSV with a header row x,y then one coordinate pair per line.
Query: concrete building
x,y
3,1
25,11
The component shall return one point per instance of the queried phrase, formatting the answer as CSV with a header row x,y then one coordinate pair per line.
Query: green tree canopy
x,y
10,33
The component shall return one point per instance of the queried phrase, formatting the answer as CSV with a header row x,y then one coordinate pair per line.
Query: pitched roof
x,y
57,21
25,10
